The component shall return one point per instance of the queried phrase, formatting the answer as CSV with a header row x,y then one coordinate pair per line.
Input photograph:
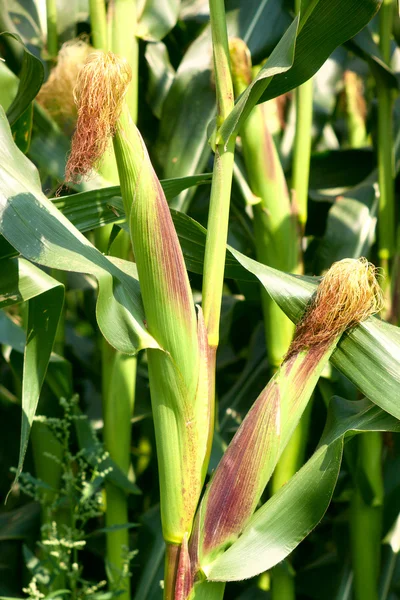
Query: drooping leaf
x,y
161,76
289,516
22,129
89,210
364,46
324,25
369,355
30,80
22,281
30,222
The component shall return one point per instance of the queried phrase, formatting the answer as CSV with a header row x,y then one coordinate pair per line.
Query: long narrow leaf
x,y
283,522
23,281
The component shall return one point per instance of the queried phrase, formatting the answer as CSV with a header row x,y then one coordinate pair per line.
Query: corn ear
x,y
179,376
348,294
178,373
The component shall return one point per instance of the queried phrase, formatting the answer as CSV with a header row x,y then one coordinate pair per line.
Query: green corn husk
x,y
348,294
180,368
179,375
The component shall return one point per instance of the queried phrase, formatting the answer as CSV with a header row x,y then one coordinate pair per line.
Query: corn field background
x,y
200,294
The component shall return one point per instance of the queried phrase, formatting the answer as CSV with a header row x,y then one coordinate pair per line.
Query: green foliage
x,y
60,294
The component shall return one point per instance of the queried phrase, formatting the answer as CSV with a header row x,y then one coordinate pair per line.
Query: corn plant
x,y
228,368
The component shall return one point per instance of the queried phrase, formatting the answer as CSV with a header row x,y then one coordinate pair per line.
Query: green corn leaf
x,y
283,522
22,281
324,25
156,19
22,129
30,80
30,222
280,61
207,590
369,354
92,209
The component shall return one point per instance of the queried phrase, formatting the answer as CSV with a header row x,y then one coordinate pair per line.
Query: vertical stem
x,y
49,471
125,43
217,230
52,35
118,370
44,443
366,518
98,22
302,148
275,230
386,219
170,570
119,378
302,143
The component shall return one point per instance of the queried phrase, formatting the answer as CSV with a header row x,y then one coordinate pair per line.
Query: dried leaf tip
x,y
348,294
99,94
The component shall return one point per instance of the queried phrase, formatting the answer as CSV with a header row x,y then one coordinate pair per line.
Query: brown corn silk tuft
x,y
348,294
57,94
99,94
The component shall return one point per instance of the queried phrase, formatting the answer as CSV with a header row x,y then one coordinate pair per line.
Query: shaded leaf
x,y
30,80
22,281
31,223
